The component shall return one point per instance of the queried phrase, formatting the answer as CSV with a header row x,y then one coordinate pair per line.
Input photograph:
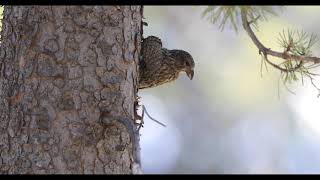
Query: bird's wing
x,y
150,62
151,49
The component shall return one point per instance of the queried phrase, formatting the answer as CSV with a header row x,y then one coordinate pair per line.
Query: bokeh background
x,y
229,118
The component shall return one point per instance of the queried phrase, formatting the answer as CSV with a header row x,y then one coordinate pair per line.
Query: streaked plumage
x,y
159,65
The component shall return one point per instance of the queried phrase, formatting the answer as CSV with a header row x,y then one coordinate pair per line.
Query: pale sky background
x,y
229,119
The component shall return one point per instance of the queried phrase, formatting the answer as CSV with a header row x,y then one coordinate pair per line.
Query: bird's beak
x,y
190,73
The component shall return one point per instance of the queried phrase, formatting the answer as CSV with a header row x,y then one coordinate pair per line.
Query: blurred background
x,y
230,118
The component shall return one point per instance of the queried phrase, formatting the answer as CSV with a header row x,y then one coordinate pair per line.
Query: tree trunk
x,y
68,83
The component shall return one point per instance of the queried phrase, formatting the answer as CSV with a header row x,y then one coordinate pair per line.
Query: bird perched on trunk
x,y
159,65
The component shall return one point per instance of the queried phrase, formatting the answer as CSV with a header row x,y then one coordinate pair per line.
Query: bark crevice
x,y
67,89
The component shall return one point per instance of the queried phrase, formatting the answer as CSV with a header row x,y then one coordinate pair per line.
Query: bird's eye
x,y
187,63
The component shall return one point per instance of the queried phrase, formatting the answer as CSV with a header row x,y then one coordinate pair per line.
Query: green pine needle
x,y
223,15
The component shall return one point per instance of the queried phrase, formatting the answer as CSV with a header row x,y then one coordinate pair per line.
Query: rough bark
x,y
68,77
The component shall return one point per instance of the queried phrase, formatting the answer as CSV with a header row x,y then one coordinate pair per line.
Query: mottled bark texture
x,y
68,78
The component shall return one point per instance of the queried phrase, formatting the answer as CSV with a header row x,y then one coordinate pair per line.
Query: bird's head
x,y
184,61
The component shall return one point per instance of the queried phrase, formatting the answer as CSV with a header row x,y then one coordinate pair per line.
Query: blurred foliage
x,y
223,15
297,43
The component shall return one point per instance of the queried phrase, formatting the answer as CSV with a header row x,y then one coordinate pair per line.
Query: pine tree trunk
x,y
68,77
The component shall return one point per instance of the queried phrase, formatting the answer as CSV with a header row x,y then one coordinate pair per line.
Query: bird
x,y
159,65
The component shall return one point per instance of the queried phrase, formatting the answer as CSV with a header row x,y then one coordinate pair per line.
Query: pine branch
x,y
267,51
292,69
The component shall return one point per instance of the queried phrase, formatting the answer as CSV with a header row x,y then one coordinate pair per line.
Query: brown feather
x,y
159,65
